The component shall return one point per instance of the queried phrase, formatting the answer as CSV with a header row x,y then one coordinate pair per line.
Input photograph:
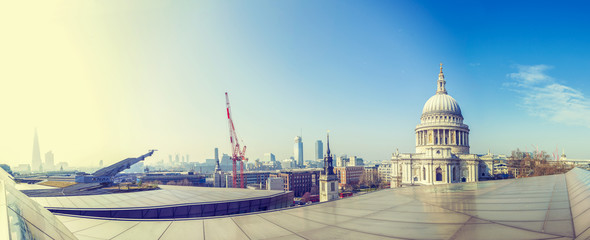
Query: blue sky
x,y
109,80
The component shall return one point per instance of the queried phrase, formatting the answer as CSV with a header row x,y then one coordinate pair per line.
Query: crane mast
x,y
238,154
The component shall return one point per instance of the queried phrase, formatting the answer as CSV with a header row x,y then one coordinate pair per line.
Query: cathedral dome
x,y
441,124
442,103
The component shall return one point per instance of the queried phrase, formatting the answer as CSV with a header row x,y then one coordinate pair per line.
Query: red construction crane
x,y
238,154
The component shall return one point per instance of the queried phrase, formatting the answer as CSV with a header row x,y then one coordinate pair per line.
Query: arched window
x,y
455,174
438,174
423,173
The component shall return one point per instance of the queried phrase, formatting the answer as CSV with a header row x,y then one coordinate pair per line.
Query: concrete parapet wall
x,y
578,186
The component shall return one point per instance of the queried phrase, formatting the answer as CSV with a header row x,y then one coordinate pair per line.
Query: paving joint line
x,y
237,225
354,230
160,237
495,222
125,230
282,227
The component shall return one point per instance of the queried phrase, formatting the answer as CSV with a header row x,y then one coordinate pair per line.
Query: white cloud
x,y
531,74
542,96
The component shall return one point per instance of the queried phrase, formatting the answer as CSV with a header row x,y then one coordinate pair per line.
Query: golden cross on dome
x,y
441,67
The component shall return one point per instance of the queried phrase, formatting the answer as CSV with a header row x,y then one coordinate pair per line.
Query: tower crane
x,y
238,154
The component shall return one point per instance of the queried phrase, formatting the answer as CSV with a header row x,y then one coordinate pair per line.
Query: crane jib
x,y
237,154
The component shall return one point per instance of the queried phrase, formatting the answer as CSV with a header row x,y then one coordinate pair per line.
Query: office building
x,y
275,183
300,181
49,162
269,157
319,150
355,161
298,151
350,175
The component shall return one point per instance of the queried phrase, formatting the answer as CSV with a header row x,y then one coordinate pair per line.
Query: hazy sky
x,y
112,79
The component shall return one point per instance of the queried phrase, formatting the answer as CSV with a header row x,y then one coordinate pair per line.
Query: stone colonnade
x,y
442,137
415,172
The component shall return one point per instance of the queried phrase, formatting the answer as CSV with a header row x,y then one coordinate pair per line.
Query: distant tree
x,y
370,179
534,164
171,183
185,182
306,197
155,183
384,184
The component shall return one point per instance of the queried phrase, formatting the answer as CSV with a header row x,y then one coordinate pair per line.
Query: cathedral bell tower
x,y
328,180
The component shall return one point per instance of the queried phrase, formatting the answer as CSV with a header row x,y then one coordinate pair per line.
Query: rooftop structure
x,y
112,170
105,175
23,218
548,207
169,202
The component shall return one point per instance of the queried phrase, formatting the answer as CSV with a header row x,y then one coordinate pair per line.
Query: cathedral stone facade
x,y
442,147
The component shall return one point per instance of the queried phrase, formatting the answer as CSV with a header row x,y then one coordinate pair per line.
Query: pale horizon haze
x,y
107,80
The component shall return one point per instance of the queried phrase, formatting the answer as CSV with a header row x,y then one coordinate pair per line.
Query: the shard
x,y
36,162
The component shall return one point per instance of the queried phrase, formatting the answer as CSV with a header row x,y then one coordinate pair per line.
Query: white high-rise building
x,y
298,151
319,149
49,163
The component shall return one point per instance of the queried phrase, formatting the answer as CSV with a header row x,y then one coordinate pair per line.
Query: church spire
x,y
440,84
328,165
328,144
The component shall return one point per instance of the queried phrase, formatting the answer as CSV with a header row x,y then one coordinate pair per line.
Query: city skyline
x,y
105,82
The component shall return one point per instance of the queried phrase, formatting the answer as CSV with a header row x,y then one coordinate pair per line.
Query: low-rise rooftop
x,y
548,207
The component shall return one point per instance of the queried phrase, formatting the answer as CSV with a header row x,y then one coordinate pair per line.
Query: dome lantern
x,y
440,84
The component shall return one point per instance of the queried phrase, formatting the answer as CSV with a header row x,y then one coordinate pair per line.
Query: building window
x,y
438,174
